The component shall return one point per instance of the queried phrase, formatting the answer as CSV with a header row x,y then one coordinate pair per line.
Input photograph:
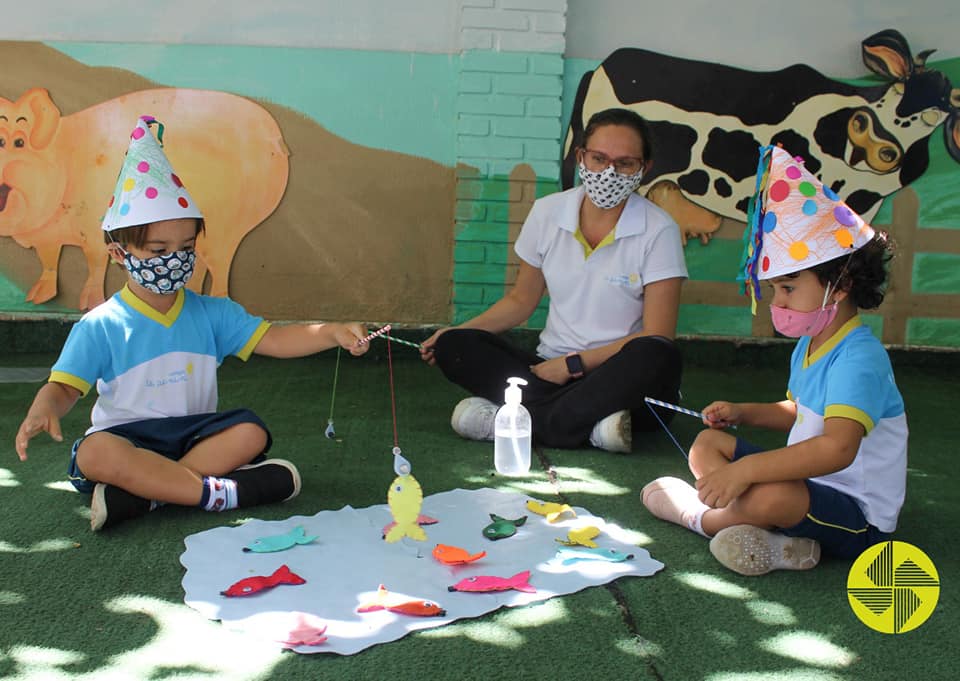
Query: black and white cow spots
x,y
708,122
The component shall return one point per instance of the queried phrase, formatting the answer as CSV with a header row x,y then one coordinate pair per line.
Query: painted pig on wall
x,y
57,174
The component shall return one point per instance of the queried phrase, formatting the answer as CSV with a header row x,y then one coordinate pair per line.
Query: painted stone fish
x,y
575,554
307,631
280,542
501,528
404,498
454,555
519,582
550,510
252,585
421,520
403,605
581,536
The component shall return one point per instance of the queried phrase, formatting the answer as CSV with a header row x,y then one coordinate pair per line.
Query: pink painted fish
x,y
307,631
520,582
252,585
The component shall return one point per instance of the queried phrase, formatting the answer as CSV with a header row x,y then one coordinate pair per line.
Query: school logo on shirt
x,y
893,587
627,280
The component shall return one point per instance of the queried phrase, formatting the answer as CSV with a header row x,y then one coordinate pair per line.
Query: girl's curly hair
x,y
862,274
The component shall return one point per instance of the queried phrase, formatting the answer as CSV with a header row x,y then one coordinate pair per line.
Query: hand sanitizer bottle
x,y
512,433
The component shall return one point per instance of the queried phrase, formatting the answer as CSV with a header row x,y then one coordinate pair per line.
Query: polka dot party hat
x,y
147,188
795,222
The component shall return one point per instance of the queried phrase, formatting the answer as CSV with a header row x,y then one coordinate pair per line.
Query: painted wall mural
x,y
302,223
889,143
56,170
708,121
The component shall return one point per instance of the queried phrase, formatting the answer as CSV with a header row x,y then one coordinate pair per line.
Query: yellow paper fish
x,y
404,498
581,536
552,511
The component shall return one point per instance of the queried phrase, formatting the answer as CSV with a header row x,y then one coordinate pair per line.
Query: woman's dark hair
x,y
136,235
630,119
862,274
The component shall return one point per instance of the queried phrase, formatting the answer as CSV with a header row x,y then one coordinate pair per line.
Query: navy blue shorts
x,y
834,519
171,437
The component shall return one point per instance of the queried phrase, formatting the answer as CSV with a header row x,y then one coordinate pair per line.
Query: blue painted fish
x,y
575,554
501,528
280,542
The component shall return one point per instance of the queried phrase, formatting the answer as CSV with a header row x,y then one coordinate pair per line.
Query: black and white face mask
x,y
608,189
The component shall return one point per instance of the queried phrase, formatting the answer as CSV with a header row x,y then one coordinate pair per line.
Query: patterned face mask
x,y
608,189
162,274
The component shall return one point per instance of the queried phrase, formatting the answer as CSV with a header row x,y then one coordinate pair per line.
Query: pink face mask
x,y
794,324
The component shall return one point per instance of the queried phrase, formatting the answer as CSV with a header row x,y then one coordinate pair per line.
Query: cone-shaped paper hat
x,y
147,188
795,222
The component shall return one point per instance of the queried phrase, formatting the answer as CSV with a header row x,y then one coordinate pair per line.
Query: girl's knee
x,y
778,504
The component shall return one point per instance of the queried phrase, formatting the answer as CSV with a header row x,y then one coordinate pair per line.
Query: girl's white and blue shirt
x,y
850,376
149,365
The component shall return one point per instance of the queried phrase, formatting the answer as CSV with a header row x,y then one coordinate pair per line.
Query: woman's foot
x,y
613,433
473,418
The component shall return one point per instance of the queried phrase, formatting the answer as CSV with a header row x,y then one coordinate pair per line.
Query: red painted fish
x,y
454,555
403,605
252,585
421,520
520,582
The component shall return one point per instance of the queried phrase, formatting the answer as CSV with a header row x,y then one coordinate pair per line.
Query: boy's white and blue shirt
x,y
850,376
148,365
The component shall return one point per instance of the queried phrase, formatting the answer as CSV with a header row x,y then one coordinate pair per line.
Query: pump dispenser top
x,y
513,394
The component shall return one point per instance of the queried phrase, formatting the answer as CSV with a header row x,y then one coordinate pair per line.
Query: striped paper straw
x,y
674,407
378,332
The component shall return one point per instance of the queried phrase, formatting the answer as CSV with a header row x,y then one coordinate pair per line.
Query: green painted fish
x,y
280,542
501,528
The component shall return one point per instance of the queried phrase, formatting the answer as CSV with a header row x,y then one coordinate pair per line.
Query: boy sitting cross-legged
x,y
152,350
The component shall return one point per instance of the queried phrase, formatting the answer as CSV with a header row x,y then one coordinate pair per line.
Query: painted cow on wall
x,y
708,121
58,172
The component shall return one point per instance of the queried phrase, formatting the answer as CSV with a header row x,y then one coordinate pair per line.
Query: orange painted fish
x,y
403,605
252,585
454,555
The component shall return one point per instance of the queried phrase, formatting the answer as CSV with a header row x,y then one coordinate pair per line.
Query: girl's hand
x,y
719,488
719,415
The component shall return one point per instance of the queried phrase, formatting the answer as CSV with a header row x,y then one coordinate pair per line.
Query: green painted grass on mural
x,y
716,261
714,320
936,273
933,332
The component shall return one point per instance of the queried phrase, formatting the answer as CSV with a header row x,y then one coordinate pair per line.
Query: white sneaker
x,y
613,433
752,550
473,418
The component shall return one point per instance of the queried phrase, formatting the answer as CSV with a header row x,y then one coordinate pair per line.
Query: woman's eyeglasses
x,y
597,161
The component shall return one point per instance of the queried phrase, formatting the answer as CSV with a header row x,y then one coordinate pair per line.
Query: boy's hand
x,y
719,488
719,415
34,424
348,337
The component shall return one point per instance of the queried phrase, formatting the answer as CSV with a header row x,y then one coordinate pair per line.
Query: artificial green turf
x,y
75,604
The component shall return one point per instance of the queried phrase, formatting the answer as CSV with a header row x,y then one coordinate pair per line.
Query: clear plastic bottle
x,y
512,433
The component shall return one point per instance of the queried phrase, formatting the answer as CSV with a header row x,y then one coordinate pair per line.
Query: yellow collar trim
x,y
166,320
832,342
588,250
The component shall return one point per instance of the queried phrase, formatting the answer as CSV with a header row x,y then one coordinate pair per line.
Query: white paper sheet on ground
x,y
344,567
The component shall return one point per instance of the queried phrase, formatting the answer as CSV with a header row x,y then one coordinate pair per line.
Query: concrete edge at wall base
x,y
47,334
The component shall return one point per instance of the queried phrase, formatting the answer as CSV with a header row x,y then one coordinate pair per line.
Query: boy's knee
x,y
252,433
